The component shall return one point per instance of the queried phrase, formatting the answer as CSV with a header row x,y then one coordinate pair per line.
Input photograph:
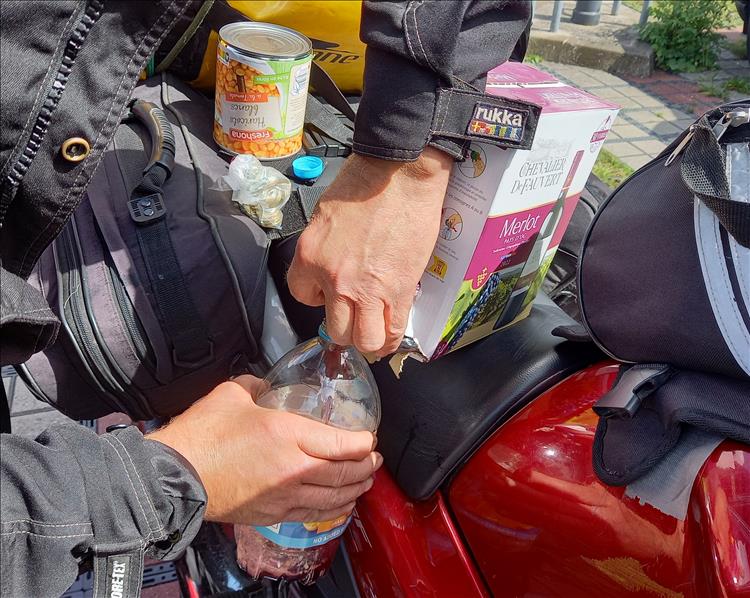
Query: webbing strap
x,y
191,346
323,119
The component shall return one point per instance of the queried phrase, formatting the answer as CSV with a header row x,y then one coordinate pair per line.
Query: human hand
x,y
261,466
367,245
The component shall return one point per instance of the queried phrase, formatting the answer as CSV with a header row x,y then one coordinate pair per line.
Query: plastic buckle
x,y
147,208
631,389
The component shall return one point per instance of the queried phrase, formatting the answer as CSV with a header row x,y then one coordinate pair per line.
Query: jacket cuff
x,y
404,107
171,487
398,101
185,499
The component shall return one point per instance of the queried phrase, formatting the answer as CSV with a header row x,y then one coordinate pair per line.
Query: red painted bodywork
x,y
529,513
540,523
399,547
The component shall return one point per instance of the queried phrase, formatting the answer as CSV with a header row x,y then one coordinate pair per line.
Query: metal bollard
x,y
644,12
556,14
587,12
616,7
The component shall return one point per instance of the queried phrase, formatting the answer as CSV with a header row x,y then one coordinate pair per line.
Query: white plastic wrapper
x,y
260,191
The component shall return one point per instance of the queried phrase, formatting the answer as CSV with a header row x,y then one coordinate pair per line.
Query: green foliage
x,y
533,58
634,4
716,91
738,84
610,169
683,33
721,90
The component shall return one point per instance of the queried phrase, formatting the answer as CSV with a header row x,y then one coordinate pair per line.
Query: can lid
x,y
307,167
266,40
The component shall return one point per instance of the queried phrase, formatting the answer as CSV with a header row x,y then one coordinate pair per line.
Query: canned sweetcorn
x,y
262,74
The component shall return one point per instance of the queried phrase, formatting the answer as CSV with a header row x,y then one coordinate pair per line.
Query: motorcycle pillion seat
x,y
437,414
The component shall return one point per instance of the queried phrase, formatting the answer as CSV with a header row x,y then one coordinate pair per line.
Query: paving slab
x,y
652,147
622,149
628,131
636,162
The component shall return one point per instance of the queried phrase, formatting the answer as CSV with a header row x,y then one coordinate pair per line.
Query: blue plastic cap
x,y
307,168
323,333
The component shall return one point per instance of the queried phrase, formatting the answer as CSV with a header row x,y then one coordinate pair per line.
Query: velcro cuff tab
x,y
474,116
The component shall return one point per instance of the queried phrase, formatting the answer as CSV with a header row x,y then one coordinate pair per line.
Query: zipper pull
x,y
681,146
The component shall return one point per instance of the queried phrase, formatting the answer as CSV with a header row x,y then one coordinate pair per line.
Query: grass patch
x,y
721,90
610,169
634,4
717,91
738,84
533,58
738,47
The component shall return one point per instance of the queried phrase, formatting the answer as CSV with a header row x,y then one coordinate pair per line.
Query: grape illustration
x,y
470,316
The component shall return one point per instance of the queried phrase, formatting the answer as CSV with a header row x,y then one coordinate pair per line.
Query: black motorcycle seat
x,y
437,414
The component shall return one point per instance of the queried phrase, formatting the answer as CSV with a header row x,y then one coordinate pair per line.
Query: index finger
x,y
326,442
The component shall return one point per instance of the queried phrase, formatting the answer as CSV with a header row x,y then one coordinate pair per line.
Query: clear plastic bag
x,y
260,191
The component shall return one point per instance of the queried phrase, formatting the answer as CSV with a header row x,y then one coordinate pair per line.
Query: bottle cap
x,y
307,168
322,333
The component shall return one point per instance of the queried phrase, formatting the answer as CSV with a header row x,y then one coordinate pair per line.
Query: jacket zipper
x,y
17,172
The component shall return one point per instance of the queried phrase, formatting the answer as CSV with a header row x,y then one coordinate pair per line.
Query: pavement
x,y
647,122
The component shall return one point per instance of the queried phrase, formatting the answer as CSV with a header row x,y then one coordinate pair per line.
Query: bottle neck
x,y
326,341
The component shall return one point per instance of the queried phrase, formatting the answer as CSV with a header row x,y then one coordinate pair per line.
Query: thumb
x,y
250,384
326,442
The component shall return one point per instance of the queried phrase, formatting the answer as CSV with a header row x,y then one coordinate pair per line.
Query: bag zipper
x,y
137,336
74,321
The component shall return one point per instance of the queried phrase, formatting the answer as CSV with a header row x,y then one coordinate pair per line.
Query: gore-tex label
x,y
497,122
118,569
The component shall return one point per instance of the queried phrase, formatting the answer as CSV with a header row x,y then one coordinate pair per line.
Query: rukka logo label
x,y
497,122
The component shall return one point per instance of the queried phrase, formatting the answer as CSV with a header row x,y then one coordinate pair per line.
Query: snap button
x,y
75,149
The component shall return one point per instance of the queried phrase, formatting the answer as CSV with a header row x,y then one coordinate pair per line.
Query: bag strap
x,y
703,172
191,345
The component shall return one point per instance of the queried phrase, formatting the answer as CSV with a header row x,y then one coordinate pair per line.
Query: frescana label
x,y
305,535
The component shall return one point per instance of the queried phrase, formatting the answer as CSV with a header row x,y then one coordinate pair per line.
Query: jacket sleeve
x,y
419,54
71,498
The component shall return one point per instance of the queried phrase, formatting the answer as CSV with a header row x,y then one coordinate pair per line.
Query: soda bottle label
x,y
305,535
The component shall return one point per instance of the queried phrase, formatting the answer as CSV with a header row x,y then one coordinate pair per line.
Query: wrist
x,y
431,162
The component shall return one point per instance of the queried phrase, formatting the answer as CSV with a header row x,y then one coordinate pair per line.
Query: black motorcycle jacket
x,y
73,499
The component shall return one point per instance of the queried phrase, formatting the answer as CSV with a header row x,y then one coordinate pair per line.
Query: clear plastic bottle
x,y
332,384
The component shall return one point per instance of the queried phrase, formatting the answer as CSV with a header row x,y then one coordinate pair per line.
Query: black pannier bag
x,y
664,283
158,280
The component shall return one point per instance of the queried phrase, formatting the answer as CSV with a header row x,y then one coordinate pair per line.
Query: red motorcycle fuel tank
x,y
538,522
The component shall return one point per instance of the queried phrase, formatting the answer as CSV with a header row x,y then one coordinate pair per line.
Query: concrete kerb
x,y
632,57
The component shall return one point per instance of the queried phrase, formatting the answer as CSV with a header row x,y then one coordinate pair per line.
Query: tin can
x,y
262,74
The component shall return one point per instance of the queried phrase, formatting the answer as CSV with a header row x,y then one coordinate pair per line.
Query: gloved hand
x,y
367,245
261,466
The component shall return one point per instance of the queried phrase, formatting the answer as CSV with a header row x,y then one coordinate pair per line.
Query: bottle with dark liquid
x,y
334,385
